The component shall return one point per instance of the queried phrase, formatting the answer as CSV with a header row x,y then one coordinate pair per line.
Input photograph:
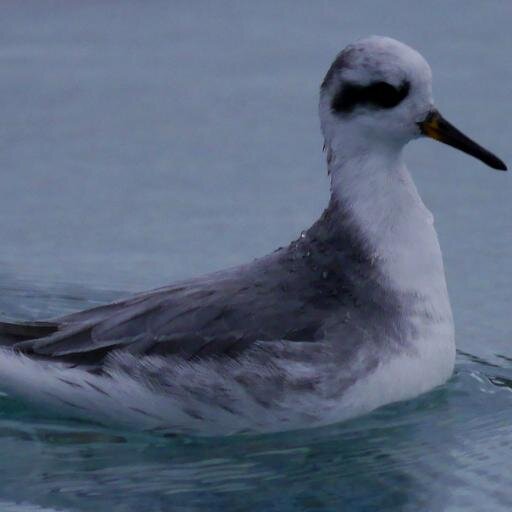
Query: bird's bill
x,y
437,127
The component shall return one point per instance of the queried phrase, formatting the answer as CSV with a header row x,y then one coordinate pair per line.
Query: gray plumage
x,y
316,290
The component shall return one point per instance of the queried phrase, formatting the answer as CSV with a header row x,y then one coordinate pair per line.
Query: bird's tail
x,y
15,332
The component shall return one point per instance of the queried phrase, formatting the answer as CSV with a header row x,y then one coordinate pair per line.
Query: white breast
x,y
388,211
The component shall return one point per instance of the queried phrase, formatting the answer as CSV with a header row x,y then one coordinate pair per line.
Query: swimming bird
x,y
352,315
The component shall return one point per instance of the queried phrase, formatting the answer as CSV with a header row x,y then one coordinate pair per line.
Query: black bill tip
x,y
437,127
498,164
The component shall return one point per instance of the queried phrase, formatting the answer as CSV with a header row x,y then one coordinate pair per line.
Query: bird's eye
x,y
376,95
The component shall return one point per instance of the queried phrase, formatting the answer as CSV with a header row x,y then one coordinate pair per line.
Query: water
x,y
146,142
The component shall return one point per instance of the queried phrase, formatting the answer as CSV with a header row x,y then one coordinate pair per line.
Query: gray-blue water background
x,y
143,142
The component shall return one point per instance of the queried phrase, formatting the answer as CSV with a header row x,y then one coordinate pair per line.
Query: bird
x,y
352,315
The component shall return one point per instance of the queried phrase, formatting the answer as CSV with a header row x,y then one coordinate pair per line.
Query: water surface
x,y
146,142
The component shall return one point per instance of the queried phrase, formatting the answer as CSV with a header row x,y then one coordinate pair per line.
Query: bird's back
x,y
310,291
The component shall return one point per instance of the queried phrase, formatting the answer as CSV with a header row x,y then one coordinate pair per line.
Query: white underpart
x,y
124,398
391,216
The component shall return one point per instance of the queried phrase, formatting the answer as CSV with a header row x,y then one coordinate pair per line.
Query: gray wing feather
x,y
304,292
220,314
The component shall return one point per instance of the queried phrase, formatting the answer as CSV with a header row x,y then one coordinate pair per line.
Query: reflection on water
x,y
420,455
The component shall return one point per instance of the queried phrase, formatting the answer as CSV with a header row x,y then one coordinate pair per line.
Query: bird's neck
x,y
377,196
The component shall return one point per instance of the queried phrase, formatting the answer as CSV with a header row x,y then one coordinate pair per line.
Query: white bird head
x,y
377,96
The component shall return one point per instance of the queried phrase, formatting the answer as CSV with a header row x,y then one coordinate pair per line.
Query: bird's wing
x,y
309,291
219,314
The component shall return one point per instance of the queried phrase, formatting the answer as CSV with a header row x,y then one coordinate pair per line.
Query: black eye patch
x,y
376,94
